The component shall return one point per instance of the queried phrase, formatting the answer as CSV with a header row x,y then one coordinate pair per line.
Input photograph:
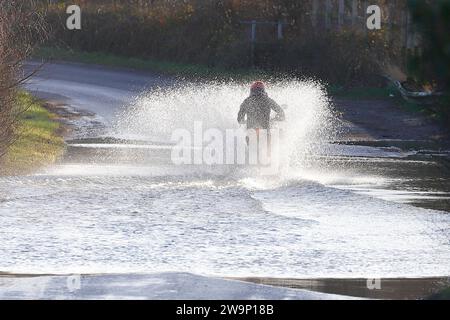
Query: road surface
x,y
96,89
118,206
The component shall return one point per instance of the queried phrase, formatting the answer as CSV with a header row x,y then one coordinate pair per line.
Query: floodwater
x,y
117,204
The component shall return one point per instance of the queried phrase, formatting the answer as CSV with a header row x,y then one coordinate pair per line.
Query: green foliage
x,y
210,33
432,65
433,19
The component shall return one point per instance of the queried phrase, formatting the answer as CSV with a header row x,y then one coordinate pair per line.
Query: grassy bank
x,y
39,140
184,70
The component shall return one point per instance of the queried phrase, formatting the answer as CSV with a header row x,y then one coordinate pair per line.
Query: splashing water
x,y
155,115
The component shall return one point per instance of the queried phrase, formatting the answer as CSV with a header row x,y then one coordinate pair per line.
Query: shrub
x,y
21,27
211,33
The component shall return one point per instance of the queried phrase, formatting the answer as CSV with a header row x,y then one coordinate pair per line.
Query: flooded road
x,y
93,218
117,204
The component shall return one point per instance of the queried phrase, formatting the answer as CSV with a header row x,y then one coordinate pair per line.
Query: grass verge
x,y
183,70
39,139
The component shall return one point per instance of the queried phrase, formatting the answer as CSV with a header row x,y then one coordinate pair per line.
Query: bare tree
x,y
22,27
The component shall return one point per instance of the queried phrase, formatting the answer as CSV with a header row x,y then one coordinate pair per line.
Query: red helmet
x,y
258,85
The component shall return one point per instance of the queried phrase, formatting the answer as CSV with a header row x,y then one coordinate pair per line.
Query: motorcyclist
x,y
257,107
255,113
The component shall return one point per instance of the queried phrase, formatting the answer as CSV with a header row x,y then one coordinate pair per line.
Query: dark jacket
x,y
257,108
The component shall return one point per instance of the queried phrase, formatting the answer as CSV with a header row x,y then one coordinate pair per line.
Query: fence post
x,y
364,24
354,12
409,32
315,8
252,45
327,14
390,22
280,30
341,12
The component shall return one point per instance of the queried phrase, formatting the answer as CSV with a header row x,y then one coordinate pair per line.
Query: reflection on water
x,y
417,180
397,289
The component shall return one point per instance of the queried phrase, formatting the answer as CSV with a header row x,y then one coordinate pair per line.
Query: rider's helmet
x,y
257,87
